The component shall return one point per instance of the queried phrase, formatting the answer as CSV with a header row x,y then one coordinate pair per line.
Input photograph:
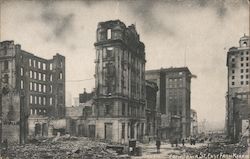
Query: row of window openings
x,y
175,85
37,111
39,100
242,65
129,110
242,53
241,82
39,64
38,87
241,59
35,87
175,79
40,76
233,77
241,71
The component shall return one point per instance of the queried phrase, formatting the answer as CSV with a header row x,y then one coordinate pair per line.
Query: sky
x,y
200,30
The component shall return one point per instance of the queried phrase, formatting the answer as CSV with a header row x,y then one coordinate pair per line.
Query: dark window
x,y
123,108
246,82
246,64
246,76
232,83
241,53
241,59
233,65
241,64
128,110
123,130
247,52
241,82
246,70
5,50
241,76
241,70
232,77
247,58
233,60
109,52
233,71
108,109
6,65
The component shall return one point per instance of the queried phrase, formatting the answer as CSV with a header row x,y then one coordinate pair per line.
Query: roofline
x,y
176,69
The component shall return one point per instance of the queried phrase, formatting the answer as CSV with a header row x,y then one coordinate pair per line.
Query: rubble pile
x,y
218,148
64,147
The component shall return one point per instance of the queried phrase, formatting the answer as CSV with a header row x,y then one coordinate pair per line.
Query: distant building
x,y
119,113
84,97
74,112
153,116
238,93
194,123
76,118
33,91
173,100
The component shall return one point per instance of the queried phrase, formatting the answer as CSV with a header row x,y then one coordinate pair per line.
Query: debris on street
x,y
62,148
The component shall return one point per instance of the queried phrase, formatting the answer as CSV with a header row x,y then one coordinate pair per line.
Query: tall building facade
x,y
173,100
238,92
120,82
33,90
153,116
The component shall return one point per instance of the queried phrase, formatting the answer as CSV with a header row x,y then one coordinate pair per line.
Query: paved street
x,y
149,151
168,152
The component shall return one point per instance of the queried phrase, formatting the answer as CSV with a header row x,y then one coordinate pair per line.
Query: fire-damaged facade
x,y
33,92
238,92
153,115
119,109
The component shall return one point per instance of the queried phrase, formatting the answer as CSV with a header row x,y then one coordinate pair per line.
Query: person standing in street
x,y
158,145
183,142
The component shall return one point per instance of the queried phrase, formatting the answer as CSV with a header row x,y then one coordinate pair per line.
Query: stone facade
x,y
194,123
119,112
33,88
153,118
173,100
238,107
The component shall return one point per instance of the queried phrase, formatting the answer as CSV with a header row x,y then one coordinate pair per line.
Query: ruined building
x,y
33,92
173,100
119,111
153,116
238,92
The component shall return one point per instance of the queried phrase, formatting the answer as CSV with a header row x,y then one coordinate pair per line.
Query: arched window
x,y
245,43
